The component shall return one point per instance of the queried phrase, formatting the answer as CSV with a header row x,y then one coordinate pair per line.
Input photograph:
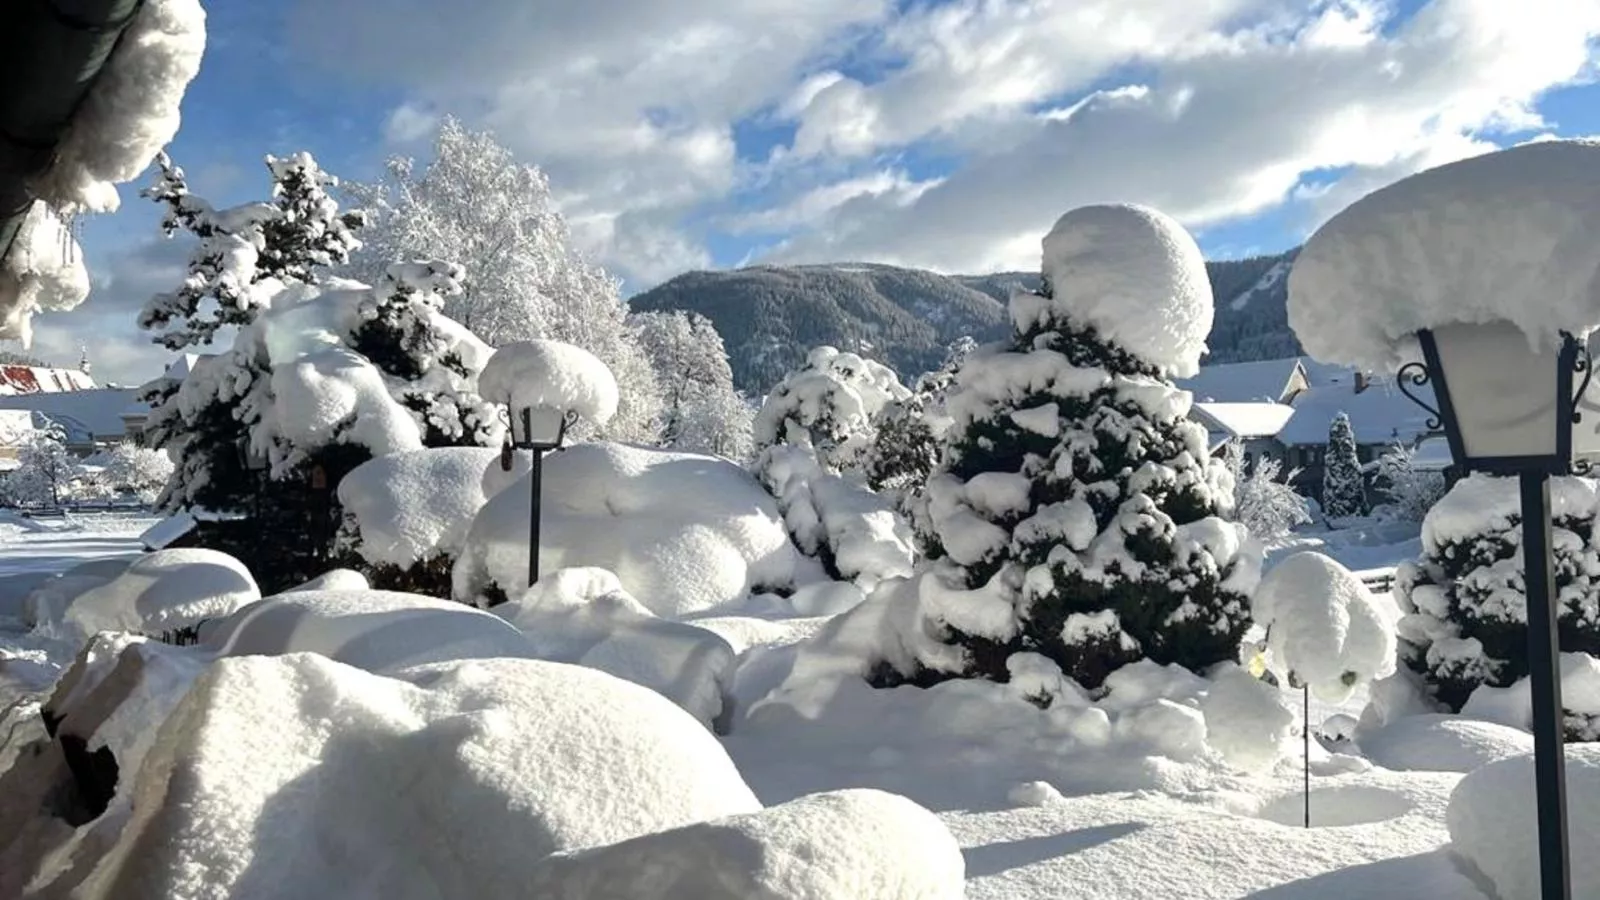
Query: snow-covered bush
x,y
137,471
1263,500
1344,492
476,204
829,407
1324,629
1410,492
1076,510
909,433
1465,622
161,593
701,412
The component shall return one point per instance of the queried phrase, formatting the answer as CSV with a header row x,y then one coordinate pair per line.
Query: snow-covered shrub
x,y
1344,492
136,471
1465,622
1076,510
1409,492
1324,628
683,532
1263,500
909,433
829,406
166,591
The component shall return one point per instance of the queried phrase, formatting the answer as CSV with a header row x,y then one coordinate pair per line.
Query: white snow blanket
x,y
454,785
418,504
1492,823
1437,742
683,532
1504,236
1135,275
156,592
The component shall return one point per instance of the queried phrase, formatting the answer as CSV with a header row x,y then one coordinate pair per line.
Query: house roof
x,y
1247,382
36,380
84,415
1378,415
1244,420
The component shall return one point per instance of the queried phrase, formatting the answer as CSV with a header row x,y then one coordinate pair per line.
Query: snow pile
x,y
167,590
44,272
1442,743
1324,628
1246,721
1492,819
412,506
46,600
379,631
585,616
248,792
550,375
130,111
334,580
683,532
1134,275
337,396
857,844
1503,236
855,532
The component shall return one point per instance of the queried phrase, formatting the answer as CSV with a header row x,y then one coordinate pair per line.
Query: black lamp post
x,y
1507,409
539,429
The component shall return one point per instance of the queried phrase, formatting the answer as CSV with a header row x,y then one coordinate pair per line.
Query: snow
x,y
43,272
550,375
867,540
861,844
1502,236
683,532
1245,420
246,792
131,109
336,395
1438,742
1493,825
414,505
1379,415
1324,626
1482,503
1262,381
161,591
1136,276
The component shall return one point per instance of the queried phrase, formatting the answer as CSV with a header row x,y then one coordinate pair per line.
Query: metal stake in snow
x,y
1305,693
1423,265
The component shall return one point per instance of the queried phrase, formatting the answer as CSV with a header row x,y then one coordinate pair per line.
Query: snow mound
x,y
130,111
1503,236
1324,626
46,600
379,631
856,844
336,395
1442,743
334,580
455,785
161,591
415,505
585,616
1135,275
1493,824
551,375
43,272
1246,721
683,532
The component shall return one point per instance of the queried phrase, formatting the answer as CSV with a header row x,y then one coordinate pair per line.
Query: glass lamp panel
x,y
1504,393
544,426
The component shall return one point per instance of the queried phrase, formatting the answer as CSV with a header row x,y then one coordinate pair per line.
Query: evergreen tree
x,y
1343,488
1075,512
1465,602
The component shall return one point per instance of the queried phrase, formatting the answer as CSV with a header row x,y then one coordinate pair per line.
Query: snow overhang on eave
x,y
51,52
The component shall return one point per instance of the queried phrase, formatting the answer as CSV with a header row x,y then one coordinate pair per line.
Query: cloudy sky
x,y
949,134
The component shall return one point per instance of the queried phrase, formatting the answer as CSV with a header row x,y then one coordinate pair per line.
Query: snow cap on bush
x,y
550,374
1324,626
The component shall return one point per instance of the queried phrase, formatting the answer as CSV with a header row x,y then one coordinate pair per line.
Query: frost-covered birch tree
x,y
700,409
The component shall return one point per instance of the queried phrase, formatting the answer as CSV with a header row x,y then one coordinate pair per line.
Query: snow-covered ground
x,y
1036,815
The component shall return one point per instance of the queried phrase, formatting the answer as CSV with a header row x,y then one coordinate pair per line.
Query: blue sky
x,y
707,133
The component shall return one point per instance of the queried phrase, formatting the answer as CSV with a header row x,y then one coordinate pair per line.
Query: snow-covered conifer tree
x,y
828,407
909,433
477,205
1464,601
1344,491
1076,510
701,411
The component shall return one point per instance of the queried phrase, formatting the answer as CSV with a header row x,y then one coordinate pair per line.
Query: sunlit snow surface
x,y
1037,815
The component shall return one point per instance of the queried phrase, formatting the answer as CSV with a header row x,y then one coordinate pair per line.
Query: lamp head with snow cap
x,y
541,427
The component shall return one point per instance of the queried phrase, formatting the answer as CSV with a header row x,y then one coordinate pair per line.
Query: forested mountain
x,y
769,316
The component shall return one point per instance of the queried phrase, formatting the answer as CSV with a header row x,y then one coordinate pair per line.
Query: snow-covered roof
x,y
84,415
1244,420
180,368
1379,415
1247,382
36,380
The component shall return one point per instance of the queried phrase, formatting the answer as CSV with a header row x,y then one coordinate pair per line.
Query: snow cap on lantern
x,y
1508,236
1134,275
550,375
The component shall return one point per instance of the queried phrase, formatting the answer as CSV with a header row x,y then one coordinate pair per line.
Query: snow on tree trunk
x,y
1343,491
1465,608
1076,509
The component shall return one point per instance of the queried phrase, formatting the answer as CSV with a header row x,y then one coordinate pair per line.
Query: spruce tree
x,y
1343,490
1075,511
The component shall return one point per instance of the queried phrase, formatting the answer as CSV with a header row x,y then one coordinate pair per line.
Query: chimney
x,y
1361,381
